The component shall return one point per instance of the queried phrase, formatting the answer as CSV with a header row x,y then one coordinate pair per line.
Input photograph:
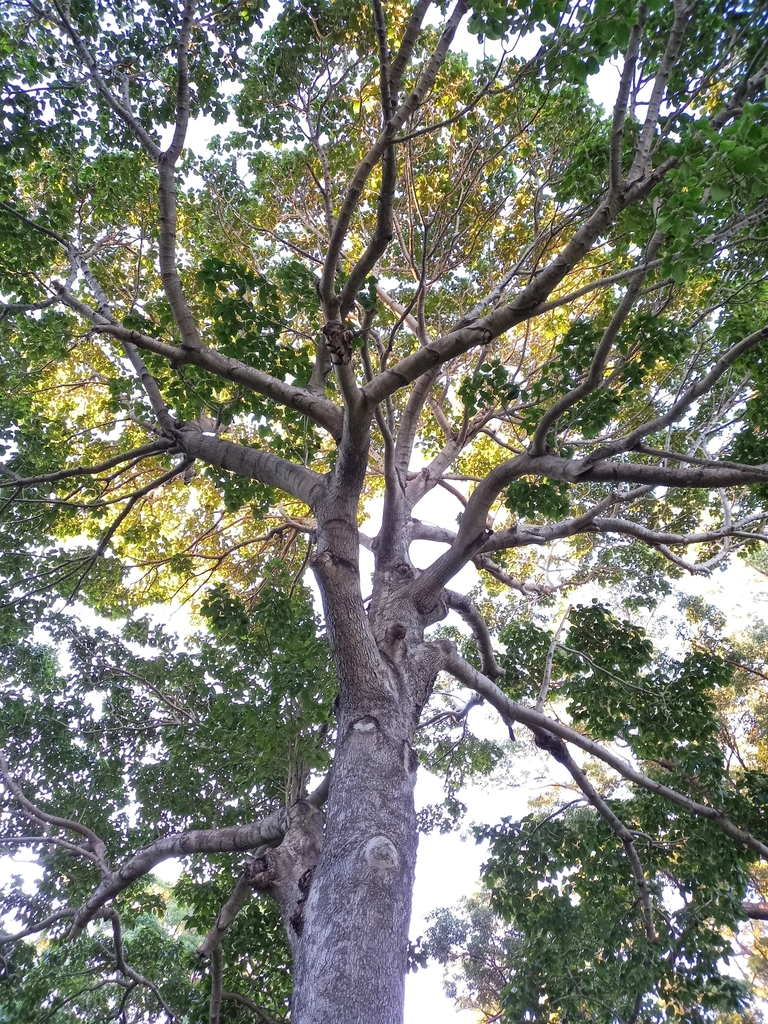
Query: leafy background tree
x,y
394,270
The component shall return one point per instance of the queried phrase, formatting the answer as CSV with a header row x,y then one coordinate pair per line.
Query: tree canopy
x,y
397,269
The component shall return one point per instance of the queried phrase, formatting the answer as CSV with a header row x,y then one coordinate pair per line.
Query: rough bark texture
x,y
355,916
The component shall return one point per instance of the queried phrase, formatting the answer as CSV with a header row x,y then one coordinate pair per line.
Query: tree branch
x,y
216,970
249,1004
594,377
269,469
123,112
630,529
546,680
120,519
125,969
469,611
640,163
620,108
320,410
511,711
238,898
176,147
32,929
153,448
94,844
581,779
682,405
756,911
407,44
711,477
331,302
220,840
380,24
529,303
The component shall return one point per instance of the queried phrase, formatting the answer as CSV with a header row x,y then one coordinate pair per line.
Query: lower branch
x,y
249,1004
243,889
153,448
94,844
126,970
226,916
471,614
265,467
285,872
546,680
511,712
39,926
221,840
216,969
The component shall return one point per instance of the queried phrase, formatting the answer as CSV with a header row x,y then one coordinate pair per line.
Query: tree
x,y
553,877
398,271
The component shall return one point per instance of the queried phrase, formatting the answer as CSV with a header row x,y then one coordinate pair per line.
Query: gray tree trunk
x,y
345,895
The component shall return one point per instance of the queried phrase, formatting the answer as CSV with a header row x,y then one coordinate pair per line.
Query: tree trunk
x,y
345,896
351,956
351,953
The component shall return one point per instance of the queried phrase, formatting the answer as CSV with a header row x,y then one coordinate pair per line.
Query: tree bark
x,y
350,935
351,958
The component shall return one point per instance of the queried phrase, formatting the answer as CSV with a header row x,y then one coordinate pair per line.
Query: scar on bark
x,y
553,745
339,341
285,872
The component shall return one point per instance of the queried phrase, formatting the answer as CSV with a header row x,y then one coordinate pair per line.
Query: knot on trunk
x,y
339,341
368,723
553,745
381,855
285,872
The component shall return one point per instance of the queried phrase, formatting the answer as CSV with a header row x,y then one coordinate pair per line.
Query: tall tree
x,y
399,271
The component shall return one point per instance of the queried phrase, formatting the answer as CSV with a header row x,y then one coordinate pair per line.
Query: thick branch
x,y
269,469
216,970
176,147
320,410
756,911
380,23
471,614
166,169
712,476
529,303
182,844
408,42
409,422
